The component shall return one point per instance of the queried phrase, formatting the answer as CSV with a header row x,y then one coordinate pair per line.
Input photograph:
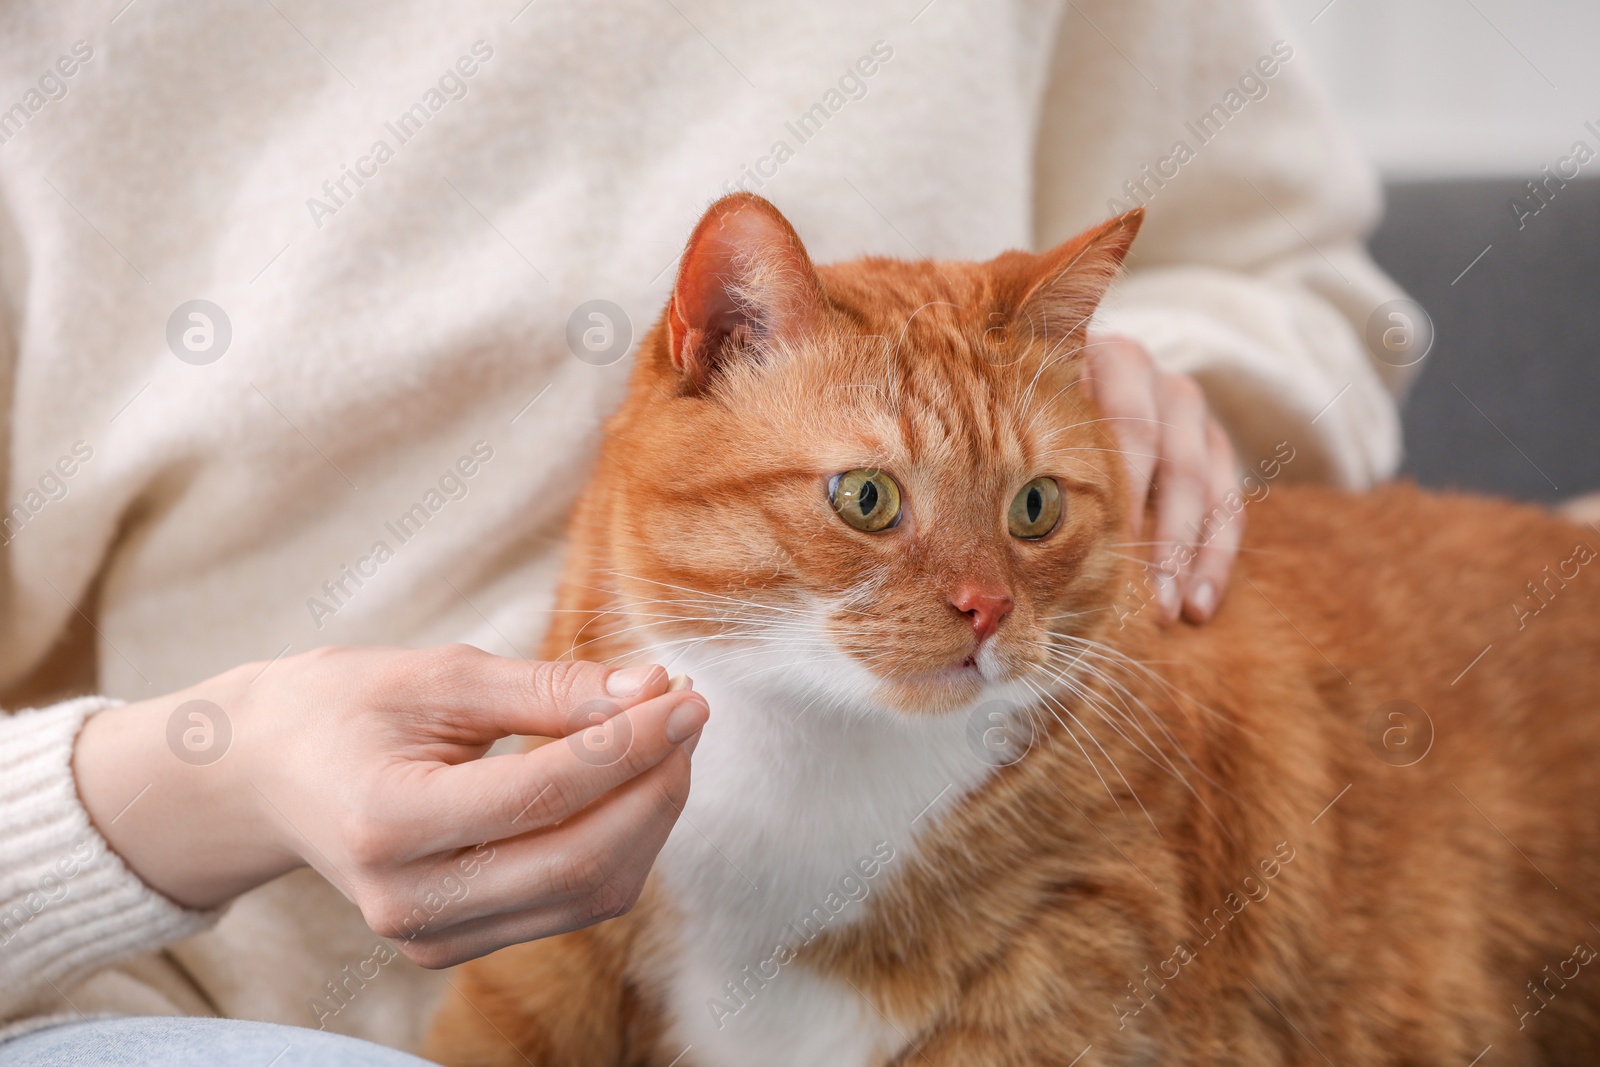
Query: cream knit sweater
x,y
397,207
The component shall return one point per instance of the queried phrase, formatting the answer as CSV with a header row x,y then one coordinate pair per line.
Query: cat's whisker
x,y
658,647
1094,650
1090,669
1201,544
739,638
1048,360
1065,677
705,593
1091,422
718,613
711,609
1190,544
679,617
629,598
723,623
1085,657
1132,559
1089,659
1122,657
1093,702
1080,380
1087,758
1156,756
1120,707
1097,448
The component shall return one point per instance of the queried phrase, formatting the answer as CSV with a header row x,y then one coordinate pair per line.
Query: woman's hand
x,y
1180,461
365,764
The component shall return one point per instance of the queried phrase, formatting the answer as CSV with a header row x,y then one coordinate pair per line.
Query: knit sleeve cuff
x,y
69,906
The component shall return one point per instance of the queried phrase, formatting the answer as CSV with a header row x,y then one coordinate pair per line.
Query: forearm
x,y
167,783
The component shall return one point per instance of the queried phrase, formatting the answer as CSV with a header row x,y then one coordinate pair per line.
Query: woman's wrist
x,y
168,784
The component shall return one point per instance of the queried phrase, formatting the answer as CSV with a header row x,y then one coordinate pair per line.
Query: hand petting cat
x,y
1181,463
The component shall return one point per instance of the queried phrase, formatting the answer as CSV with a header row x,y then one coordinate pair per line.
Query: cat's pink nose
x,y
984,607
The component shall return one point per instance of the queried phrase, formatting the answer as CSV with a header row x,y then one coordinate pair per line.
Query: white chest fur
x,y
801,807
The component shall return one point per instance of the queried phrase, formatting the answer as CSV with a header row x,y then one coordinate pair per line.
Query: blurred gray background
x,y
1461,103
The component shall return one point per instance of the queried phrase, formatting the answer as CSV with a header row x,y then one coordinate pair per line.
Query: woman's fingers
x,y
1220,529
449,947
1124,387
588,869
1182,484
472,696
438,808
616,837
1179,461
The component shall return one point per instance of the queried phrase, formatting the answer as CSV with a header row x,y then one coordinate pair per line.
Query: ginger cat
x,y
963,802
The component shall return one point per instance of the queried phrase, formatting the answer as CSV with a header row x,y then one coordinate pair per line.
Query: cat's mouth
x,y
931,670
951,687
964,672
967,668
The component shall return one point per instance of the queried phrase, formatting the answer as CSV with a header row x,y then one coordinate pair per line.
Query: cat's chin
x,y
937,692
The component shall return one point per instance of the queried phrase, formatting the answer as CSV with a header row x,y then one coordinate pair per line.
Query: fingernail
x,y
693,743
1204,600
679,682
687,718
630,681
1167,596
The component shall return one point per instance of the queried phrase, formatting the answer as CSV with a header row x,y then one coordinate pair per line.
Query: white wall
x,y
1440,87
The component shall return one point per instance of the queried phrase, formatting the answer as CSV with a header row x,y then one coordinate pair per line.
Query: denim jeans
x,y
186,1042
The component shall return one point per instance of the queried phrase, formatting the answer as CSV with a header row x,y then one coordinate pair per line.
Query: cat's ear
x,y
745,277
1069,281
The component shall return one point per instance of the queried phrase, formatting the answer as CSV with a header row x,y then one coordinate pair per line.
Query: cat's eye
x,y
869,500
1035,509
